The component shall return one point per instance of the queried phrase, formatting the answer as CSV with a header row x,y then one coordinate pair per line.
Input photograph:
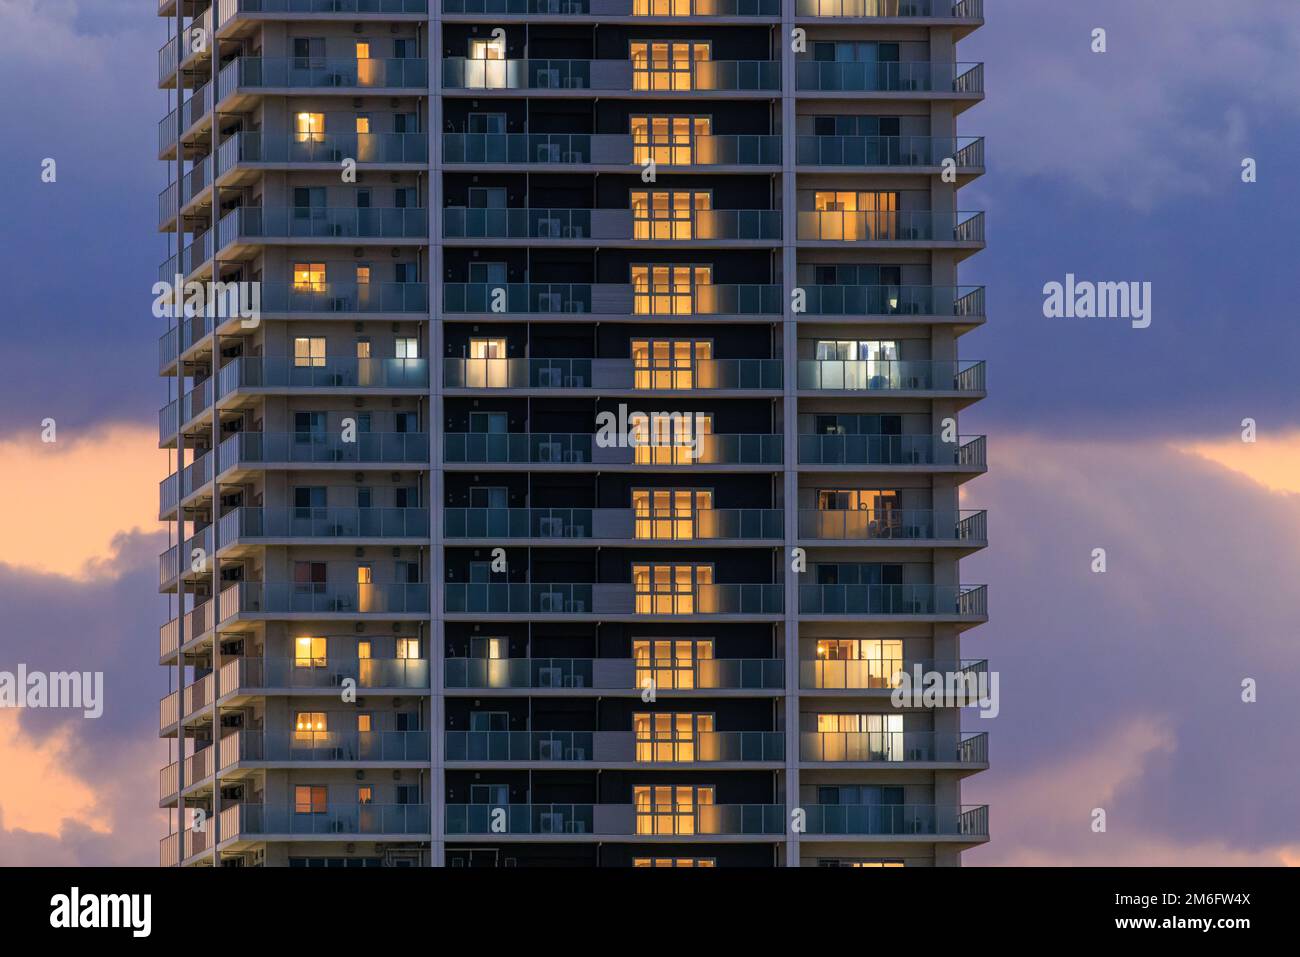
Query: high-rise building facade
x,y
566,461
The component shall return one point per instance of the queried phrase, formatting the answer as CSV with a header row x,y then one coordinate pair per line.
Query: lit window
x,y
859,737
363,49
309,722
661,8
671,589
849,215
486,68
309,652
364,723
365,794
674,736
674,662
674,862
671,140
310,799
667,213
668,65
309,351
673,809
676,514
309,276
363,649
363,275
671,439
406,347
858,662
487,366
408,648
309,127
672,290
671,363
363,124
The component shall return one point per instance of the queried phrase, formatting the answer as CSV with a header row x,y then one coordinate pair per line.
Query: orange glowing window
x,y
667,214
667,65
673,662
309,722
309,127
671,438
310,799
681,737
672,290
673,809
680,514
670,589
671,140
672,364
309,276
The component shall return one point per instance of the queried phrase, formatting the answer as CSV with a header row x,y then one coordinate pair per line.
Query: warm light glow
x,y
674,514
672,290
671,736
310,799
309,351
670,363
667,65
665,214
308,722
674,862
848,215
309,652
672,809
309,127
671,440
680,663
309,277
669,140
670,589
487,366
858,662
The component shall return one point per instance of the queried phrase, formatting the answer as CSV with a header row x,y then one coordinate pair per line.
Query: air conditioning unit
x,y
549,452
550,302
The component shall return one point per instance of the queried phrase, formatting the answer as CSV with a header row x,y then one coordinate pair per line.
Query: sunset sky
x,y
1119,691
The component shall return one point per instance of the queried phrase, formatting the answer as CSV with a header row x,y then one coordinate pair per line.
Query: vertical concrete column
x,y
789,422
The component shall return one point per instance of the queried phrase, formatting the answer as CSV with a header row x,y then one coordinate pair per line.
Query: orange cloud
x,y
38,791
62,503
1271,462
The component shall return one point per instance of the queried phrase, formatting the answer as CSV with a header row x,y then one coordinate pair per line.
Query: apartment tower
x,y
565,455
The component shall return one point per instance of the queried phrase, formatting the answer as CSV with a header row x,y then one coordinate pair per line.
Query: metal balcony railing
x,y
857,151
347,372
332,523
834,300
330,148
613,523
335,297
966,452
957,9
343,820
703,747
583,598
614,673
570,448
889,77
275,73
311,222
261,448
525,373
312,746
891,226
879,673
338,598
904,524
924,601
623,820
898,375
325,674
880,820
938,747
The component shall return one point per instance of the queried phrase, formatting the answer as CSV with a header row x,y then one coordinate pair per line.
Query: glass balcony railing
x,y
968,451
459,222
834,300
617,8
880,673
331,148
227,9
613,523
614,673
275,73
906,524
615,746
719,150
460,73
617,819
525,373
169,562
323,523
947,601
287,372
332,820
897,375
335,598
576,448
957,9
891,746
613,299
291,746
323,674
967,152
891,226
181,337
555,598
876,820
261,448
543,148
190,479
303,222
889,77
366,297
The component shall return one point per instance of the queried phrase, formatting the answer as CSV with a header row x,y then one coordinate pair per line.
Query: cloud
x,y
1123,690
64,502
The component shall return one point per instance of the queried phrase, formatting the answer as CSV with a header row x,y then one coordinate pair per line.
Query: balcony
x,y
336,297
615,747
263,675
613,674
305,149
890,151
895,526
877,674
607,299
191,478
581,525
259,450
893,747
280,75
255,224
614,76
170,562
292,747
564,821
954,79
195,254
324,375
193,111
347,599
611,374
180,339
332,525
227,10
186,703
537,448
961,602
197,43
964,377
546,149
337,822
892,227
895,821
676,9
195,843
864,9
197,622
564,600
967,453
961,302
702,225
179,195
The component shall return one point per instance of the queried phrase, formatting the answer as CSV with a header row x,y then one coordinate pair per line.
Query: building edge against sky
x,y
422,610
